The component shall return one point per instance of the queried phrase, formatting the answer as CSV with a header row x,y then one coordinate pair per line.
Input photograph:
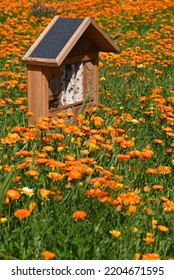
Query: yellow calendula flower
x,y
3,220
72,140
102,79
93,147
154,224
111,168
59,149
84,152
135,229
31,206
115,233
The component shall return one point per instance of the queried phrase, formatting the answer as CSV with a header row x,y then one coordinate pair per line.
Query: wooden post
x,y
96,81
37,99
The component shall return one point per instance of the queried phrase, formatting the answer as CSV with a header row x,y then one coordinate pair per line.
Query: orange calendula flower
x,y
41,160
163,228
127,144
119,139
164,170
79,215
150,256
55,176
157,187
57,136
22,213
146,188
97,120
131,209
47,255
43,125
159,141
123,157
13,194
57,195
148,240
115,233
44,193
69,158
32,173
74,174
47,149
22,153
16,179
10,138
151,171
137,256
128,198
22,166
106,199
168,206
96,193
54,164
29,114
146,153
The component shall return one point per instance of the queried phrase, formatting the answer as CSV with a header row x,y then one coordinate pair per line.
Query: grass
x,y
100,188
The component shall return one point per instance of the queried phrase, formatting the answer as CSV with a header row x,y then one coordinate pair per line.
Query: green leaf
x,y
76,241
49,229
5,185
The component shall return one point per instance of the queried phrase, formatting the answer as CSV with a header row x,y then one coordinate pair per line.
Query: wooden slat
x,y
79,58
40,61
67,106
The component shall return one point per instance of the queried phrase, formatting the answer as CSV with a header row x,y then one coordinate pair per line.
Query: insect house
x,y
62,66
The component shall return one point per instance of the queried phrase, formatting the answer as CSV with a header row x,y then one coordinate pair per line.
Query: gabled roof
x,y
61,35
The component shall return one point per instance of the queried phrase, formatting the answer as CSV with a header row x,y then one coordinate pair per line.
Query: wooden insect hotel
x,y
62,66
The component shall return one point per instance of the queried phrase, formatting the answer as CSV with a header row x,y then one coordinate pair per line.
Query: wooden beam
x,y
79,58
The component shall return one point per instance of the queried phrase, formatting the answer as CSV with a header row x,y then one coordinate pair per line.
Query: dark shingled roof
x,y
56,38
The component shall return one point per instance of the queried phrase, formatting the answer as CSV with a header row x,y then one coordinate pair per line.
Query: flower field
x,y
103,186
